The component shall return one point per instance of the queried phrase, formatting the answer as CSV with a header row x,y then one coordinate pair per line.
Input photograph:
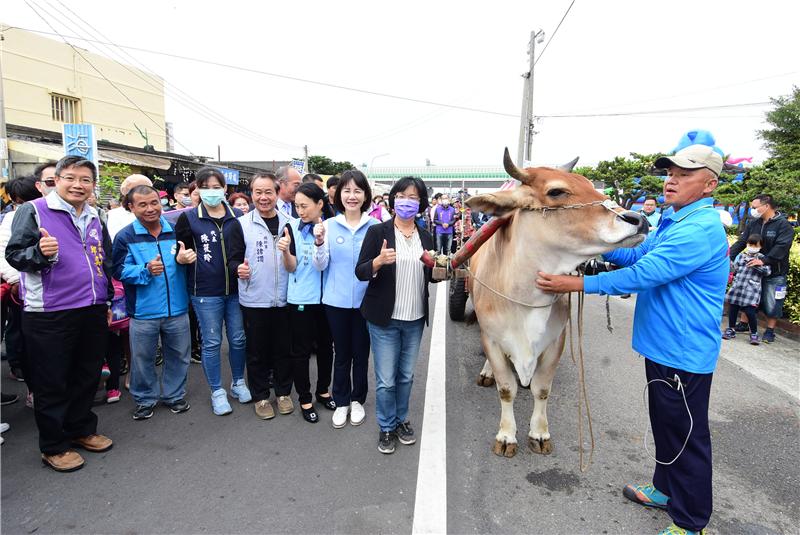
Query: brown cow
x,y
559,221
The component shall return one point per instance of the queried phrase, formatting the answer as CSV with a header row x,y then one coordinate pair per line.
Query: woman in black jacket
x,y
396,306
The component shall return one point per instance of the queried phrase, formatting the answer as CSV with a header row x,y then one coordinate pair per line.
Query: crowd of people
x,y
290,270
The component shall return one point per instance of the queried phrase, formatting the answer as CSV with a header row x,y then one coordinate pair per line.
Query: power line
x,y
649,112
554,33
121,92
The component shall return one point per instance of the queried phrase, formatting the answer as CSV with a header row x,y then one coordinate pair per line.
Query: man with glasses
x,y
63,253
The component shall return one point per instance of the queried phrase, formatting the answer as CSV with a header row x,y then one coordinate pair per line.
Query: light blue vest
x,y
268,277
342,288
305,284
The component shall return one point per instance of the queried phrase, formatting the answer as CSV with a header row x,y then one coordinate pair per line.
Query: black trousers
x,y
66,350
267,331
114,356
15,342
687,481
750,311
351,344
194,331
310,332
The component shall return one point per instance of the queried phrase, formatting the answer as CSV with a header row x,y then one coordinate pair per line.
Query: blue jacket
x,y
305,283
680,273
146,296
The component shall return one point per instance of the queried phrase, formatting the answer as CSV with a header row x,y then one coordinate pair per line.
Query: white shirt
x,y
410,278
118,219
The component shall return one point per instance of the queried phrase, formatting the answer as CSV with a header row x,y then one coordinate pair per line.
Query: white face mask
x,y
755,213
752,250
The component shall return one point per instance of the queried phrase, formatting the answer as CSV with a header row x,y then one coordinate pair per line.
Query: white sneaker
x,y
357,413
4,427
340,417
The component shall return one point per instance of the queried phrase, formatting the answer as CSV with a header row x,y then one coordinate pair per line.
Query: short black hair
x,y
142,189
312,177
75,161
765,198
275,182
183,185
37,172
332,182
23,188
753,239
651,198
356,177
204,175
312,191
403,184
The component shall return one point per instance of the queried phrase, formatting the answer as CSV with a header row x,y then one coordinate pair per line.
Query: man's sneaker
x,y
8,399
105,372
196,358
4,427
112,396
143,412
219,402
386,442
646,495
769,336
677,530
405,434
285,405
240,391
159,356
729,334
340,417
357,413
741,327
754,341
264,409
15,374
178,406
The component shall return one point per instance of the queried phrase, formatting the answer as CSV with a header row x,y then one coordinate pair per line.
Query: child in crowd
x,y
745,292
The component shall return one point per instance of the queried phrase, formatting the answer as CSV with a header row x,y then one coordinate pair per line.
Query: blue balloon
x,y
698,137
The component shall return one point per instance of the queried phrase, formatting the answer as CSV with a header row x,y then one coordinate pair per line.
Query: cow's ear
x,y
498,203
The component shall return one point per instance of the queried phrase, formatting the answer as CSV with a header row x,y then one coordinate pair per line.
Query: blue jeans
x,y
395,349
175,344
773,308
444,242
210,313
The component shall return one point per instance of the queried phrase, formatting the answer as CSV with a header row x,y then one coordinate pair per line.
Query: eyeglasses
x,y
83,180
49,182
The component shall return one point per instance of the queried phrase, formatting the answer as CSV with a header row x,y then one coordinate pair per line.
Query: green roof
x,y
438,173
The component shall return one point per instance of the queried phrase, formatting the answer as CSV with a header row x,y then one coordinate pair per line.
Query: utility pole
x,y
526,131
5,162
305,160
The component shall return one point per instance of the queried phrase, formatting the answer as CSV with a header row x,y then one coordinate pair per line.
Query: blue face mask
x,y
212,197
406,208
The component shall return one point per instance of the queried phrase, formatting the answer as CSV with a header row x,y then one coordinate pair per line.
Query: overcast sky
x,y
607,57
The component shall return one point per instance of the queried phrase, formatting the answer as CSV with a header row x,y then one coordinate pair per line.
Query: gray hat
x,y
693,157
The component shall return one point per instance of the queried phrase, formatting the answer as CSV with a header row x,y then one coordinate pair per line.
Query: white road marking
x,y
430,504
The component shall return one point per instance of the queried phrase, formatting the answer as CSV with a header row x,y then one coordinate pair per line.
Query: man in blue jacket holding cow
x,y
679,273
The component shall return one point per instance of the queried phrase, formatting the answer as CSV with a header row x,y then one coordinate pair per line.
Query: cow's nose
x,y
637,219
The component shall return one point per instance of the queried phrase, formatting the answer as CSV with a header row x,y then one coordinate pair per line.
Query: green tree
x,y
325,166
626,178
111,174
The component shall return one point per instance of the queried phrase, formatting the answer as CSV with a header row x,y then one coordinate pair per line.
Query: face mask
x,y
754,212
212,197
164,202
752,250
406,208
186,200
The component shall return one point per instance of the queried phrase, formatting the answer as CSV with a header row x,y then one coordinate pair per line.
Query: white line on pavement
x,y
430,504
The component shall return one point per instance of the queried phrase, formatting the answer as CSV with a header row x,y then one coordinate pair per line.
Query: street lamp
x,y
376,157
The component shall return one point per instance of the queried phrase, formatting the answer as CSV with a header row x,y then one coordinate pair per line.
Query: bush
x,y
791,307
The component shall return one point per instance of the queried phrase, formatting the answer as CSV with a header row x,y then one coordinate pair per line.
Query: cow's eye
x,y
556,192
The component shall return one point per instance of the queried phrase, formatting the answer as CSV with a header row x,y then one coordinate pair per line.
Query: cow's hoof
x,y
504,449
540,445
485,380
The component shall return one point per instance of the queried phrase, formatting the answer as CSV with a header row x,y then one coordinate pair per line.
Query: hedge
x,y
791,307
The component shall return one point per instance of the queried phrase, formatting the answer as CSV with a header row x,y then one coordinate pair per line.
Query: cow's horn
x,y
568,167
512,169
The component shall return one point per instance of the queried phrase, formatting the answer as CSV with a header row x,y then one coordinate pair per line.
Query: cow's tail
x,y
471,319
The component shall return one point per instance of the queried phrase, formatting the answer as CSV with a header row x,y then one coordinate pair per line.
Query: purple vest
x,y
77,279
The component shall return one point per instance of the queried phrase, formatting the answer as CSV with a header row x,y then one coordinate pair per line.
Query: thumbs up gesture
x,y
283,243
387,255
185,256
156,266
47,244
244,270
319,232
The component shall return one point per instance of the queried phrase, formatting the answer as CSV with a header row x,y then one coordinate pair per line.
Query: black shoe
x,y
196,358
768,337
178,406
386,442
741,327
123,367
8,399
310,415
16,374
405,434
143,412
327,402
159,356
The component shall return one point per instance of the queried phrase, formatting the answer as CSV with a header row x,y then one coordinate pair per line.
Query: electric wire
x,y
554,34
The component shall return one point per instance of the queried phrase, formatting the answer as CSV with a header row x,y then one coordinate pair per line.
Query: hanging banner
x,y
300,165
231,176
80,140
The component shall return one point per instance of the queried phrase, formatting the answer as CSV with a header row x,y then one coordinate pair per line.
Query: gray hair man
x,y
289,180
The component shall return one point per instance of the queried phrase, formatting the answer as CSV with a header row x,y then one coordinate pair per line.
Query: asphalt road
x,y
199,473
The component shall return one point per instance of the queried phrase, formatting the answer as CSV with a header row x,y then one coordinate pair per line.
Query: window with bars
x,y
64,109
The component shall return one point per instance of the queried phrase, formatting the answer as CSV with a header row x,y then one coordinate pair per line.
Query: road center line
x,y
430,503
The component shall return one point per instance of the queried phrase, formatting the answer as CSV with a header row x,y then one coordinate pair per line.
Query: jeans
x,y
395,349
772,307
175,344
351,355
444,242
210,313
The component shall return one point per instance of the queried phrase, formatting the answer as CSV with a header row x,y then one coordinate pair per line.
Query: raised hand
x,y
387,256
285,241
244,270
319,232
156,266
185,256
47,244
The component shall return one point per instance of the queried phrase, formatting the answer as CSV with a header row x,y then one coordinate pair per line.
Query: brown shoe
x,y
264,409
285,405
69,461
93,443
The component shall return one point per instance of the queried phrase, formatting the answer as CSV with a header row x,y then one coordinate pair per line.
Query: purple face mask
x,y
406,208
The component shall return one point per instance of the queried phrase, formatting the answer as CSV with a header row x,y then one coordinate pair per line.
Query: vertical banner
x,y
80,140
300,165
231,176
